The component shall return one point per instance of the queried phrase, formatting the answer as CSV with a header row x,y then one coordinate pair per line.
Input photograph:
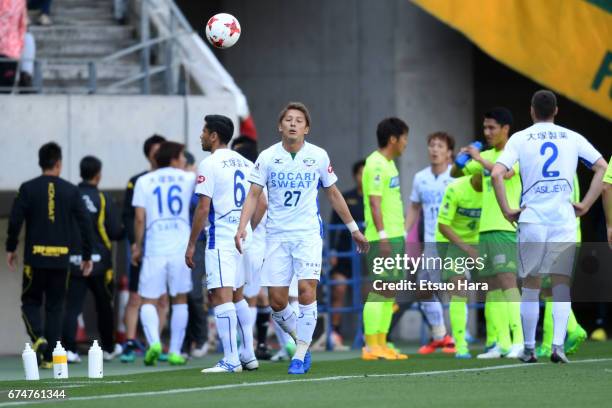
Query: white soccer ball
x,y
222,30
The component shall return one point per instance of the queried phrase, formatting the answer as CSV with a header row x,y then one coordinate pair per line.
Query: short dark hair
x,y
544,103
168,151
90,167
357,165
444,137
152,140
190,158
501,115
390,127
48,155
222,125
297,106
246,146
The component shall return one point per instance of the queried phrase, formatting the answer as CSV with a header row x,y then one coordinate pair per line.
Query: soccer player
x,y
222,186
428,188
48,204
150,147
497,238
292,170
161,198
384,219
548,155
457,233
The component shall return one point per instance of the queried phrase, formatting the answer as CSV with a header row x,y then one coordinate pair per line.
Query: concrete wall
x,y
113,128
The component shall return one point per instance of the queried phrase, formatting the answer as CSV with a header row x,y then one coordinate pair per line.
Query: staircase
x,y
84,30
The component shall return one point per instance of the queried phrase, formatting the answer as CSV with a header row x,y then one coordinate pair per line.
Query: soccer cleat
x,y
199,352
46,365
40,347
223,367
558,356
307,361
250,365
543,352
463,354
528,356
280,355
515,351
599,335
152,354
72,357
296,367
495,352
129,352
574,340
368,355
398,355
290,348
106,356
176,359
446,343
262,352
163,357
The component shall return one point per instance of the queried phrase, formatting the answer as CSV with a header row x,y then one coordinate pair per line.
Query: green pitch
x,y
338,379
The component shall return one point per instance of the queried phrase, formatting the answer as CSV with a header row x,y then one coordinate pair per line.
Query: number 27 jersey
x,y
165,194
222,176
293,183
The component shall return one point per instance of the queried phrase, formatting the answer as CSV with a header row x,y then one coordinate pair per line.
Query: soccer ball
x,y
222,30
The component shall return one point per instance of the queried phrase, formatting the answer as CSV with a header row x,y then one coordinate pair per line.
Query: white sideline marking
x,y
277,382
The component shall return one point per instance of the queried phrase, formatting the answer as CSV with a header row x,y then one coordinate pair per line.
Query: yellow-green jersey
x,y
492,218
461,211
381,178
608,176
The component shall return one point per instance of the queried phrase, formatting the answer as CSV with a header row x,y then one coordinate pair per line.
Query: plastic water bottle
x,y
30,365
94,361
465,157
60,362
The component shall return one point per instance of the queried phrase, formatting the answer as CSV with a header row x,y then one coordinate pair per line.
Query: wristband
x,y
352,226
382,234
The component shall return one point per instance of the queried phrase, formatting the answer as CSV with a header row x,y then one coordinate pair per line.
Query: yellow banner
x,y
565,45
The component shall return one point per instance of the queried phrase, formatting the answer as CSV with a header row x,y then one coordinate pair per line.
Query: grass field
x,y
339,379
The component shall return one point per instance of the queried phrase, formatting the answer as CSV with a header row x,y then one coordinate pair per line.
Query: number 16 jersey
x,y
165,194
222,176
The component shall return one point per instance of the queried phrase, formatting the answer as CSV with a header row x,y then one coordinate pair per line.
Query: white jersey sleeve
x,y
138,199
206,180
259,174
414,193
326,171
586,152
509,156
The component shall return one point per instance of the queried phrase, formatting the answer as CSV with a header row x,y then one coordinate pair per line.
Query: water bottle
x,y
94,361
30,365
463,158
60,362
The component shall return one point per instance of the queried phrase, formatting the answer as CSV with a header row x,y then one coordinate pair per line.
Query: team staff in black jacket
x,y
48,205
106,224
151,145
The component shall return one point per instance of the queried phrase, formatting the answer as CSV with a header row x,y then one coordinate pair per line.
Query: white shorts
x,y
544,249
224,268
164,274
253,262
284,260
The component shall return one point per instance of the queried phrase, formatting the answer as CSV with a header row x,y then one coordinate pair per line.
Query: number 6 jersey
x,y
222,176
548,155
293,183
165,195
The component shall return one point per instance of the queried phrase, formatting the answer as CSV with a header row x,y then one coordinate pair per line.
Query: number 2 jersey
x,y
548,155
222,176
293,182
165,194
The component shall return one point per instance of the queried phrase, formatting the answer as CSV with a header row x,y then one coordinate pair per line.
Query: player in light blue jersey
x,y
293,170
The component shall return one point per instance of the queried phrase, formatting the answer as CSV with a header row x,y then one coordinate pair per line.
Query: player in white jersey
x,y
292,171
161,199
548,155
428,188
222,187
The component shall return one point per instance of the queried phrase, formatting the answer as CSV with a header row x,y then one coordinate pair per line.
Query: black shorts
x,y
133,278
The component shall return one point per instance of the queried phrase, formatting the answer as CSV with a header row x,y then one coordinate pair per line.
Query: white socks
x,y
561,309
530,313
287,320
226,320
245,327
306,323
435,316
178,324
150,322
